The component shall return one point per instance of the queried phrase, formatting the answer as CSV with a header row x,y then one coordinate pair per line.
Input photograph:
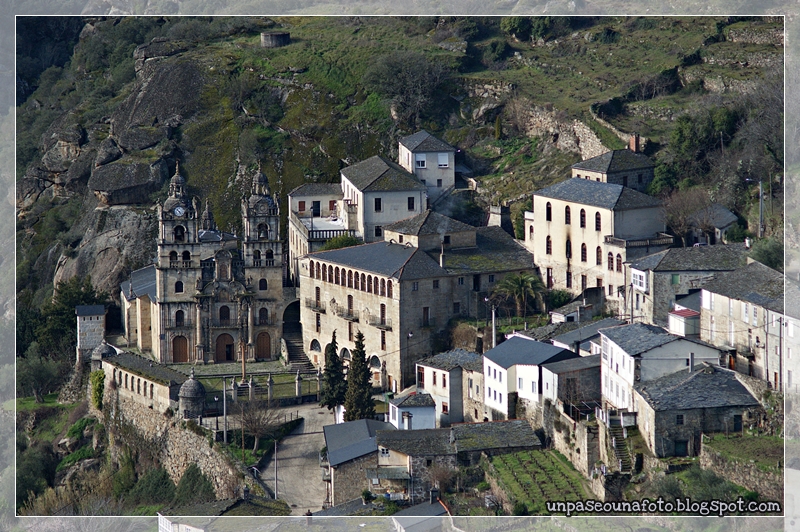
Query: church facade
x,y
211,296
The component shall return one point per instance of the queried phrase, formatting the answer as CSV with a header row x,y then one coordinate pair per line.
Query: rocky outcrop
x,y
757,35
567,135
127,182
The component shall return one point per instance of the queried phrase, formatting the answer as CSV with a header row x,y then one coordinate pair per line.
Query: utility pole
x,y
760,207
275,459
224,411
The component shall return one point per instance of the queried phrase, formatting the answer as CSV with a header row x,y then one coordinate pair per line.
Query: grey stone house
x,y
710,225
657,280
628,167
575,382
443,376
675,410
585,340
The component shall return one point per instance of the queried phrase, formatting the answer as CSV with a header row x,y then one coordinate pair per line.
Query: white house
x,y
639,353
413,411
442,376
432,160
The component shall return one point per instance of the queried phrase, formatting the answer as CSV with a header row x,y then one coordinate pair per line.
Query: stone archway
x,y
180,350
225,351
263,346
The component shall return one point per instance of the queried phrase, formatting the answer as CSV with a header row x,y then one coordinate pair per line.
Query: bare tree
x,y
259,419
441,476
680,206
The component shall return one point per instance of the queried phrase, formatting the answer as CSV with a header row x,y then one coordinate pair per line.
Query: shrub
x,y
520,508
81,454
125,478
97,379
154,487
76,430
193,488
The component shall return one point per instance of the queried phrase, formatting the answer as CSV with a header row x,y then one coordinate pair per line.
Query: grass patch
x,y
149,510
29,403
76,430
81,454
763,451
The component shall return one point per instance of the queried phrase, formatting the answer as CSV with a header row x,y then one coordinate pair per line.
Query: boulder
x,y
127,182
107,152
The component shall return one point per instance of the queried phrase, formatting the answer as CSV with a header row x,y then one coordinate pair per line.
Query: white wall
x,y
530,381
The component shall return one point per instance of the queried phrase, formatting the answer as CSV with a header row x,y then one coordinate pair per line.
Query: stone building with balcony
x,y
581,232
211,296
401,292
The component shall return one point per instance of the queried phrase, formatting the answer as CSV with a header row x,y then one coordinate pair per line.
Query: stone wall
x,y
756,36
421,481
768,485
349,479
579,442
567,135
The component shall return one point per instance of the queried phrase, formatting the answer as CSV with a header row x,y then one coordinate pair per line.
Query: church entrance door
x,y
224,351
180,350
263,346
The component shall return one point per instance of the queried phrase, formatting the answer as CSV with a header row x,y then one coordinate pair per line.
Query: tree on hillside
x,y
37,374
680,206
56,333
334,387
259,420
519,287
358,399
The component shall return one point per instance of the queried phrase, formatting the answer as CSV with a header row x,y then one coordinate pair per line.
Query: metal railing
x,y
661,239
179,324
347,313
376,321
313,304
230,322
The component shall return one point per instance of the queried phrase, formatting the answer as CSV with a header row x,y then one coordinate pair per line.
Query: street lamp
x,y
216,412
494,323
408,340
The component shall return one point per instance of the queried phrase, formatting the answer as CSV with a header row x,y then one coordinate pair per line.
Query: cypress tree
x,y
334,386
358,399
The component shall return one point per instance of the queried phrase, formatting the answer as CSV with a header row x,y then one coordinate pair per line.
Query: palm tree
x,y
519,286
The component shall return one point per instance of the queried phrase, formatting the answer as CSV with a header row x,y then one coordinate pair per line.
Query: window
x,y
445,408
436,284
443,160
439,183
301,206
519,383
420,377
611,289
332,205
434,378
548,245
500,399
491,277
178,287
420,159
597,224
549,277
262,284
746,313
599,283
456,307
676,278
179,319
414,286
548,212
186,256
567,215
384,450
679,419
639,178
533,387
460,281
583,252
179,233
378,205
610,261
569,249
583,282
349,330
383,340
411,203
444,380
378,230
583,218
598,256
755,316
318,324
638,280
400,239
569,279
619,262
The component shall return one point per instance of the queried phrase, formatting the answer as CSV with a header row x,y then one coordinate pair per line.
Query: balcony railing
x,y
430,322
180,264
385,323
318,306
258,263
265,321
347,313
179,324
661,239
230,322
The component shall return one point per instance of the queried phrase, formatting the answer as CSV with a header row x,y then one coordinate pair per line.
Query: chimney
x,y
691,362
633,144
407,420
434,495
576,347
441,256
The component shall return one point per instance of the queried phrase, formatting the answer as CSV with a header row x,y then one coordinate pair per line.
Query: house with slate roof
x,y
742,313
431,159
585,340
512,371
575,381
581,232
450,377
676,409
628,167
641,353
413,410
399,295
660,278
134,378
350,449
710,225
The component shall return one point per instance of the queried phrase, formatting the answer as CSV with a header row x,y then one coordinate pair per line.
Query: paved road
x,y
300,481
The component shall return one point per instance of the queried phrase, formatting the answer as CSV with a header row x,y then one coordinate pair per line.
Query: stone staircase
x,y
620,448
297,355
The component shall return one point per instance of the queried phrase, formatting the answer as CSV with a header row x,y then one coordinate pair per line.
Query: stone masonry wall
x,y
769,485
349,479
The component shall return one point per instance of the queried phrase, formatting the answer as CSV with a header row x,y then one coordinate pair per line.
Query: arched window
x,y
173,256
597,225
151,390
139,386
610,261
619,262
374,285
224,315
315,345
311,272
383,287
369,284
262,284
548,212
569,249
179,233
567,217
363,283
599,256
263,316
583,253
349,278
257,260
126,381
179,318
583,218
357,281
330,274
263,231
186,255
223,271
530,232
317,275
324,273
548,246
178,287
336,276
389,288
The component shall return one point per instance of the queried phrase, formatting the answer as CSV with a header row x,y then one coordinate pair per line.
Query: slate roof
x,y
422,141
792,298
452,359
422,442
755,283
493,435
692,300
414,400
573,364
144,367
318,189
384,258
354,507
597,194
428,223
379,174
702,258
705,387
549,331
615,161
90,310
587,332
421,517
686,313
517,350
144,283
346,441
495,251
716,214
638,338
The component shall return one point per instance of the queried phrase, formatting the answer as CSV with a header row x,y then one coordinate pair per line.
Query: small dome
x,y
103,350
192,389
177,179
